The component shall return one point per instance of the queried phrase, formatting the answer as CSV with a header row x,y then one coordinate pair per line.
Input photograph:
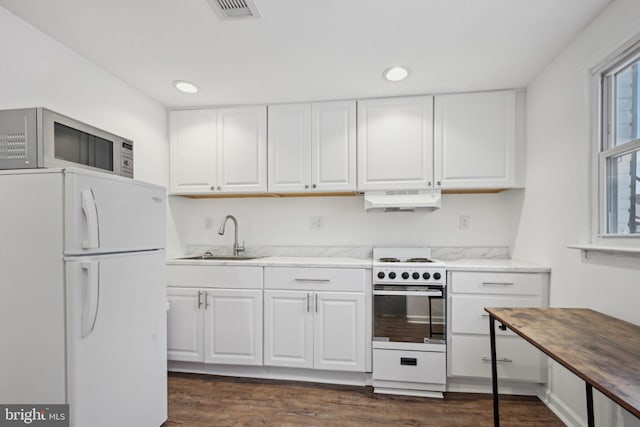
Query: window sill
x,y
615,250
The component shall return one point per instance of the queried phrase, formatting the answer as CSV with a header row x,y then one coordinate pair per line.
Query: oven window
x,y
411,319
83,148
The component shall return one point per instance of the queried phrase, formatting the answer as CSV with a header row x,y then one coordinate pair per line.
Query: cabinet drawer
x,y
409,366
517,359
320,279
497,283
214,276
468,315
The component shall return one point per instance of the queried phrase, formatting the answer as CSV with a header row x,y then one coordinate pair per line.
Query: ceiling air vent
x,y
235,9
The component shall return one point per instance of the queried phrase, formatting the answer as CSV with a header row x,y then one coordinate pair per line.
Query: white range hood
x,y
402,200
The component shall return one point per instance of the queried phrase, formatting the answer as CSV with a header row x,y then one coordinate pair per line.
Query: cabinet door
x,y
475,140
289,147
339,331
242,149
395,143
288,329
193,151
185,325
333,146
233,327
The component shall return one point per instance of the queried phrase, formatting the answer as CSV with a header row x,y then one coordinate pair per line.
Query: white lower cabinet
x,y
185,325
288,330
215,326
468,326
305,327
319,330
517,359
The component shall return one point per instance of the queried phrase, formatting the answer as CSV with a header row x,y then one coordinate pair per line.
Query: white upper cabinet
x,y
333,146
289,147
242,150
193,151
477,142
395,143
312,147
466,141
219,150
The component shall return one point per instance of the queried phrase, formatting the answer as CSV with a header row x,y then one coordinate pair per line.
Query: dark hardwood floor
x,y
204,400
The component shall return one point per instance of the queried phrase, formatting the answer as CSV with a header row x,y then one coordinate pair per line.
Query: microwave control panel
x,y
126,159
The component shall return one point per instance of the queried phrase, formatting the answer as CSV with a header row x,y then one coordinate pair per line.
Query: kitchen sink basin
x,y
220,257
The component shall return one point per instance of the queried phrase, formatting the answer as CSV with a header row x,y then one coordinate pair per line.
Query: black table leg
x,y
590,420
494,371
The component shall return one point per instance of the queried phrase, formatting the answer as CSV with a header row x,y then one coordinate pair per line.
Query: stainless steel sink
x,y
220,257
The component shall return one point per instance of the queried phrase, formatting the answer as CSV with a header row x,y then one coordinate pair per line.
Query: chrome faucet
x,y
236,248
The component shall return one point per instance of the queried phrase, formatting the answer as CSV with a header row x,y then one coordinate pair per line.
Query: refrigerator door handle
x,y
90,211
90,297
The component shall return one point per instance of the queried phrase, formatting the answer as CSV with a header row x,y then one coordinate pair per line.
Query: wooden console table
x,y
602,350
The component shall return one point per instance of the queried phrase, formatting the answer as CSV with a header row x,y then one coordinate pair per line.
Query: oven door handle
x,y
410,293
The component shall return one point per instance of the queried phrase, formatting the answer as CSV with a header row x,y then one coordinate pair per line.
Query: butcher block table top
x,y
600,349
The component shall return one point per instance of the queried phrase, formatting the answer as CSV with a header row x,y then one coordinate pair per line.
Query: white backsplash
x,y
453,253
359,252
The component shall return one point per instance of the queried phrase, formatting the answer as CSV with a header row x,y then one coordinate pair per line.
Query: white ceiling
x,y
303,50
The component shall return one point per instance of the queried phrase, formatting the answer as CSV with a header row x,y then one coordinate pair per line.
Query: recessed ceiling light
x,y
185,87
395,74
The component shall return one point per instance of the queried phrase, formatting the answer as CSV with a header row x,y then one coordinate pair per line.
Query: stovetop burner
x,y
414,260
388,259
419,260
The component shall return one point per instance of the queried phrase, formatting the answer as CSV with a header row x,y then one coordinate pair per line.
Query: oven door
x,y
409,314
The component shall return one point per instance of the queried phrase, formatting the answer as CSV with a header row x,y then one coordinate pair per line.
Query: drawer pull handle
x,y
409,361
410,293
504,359
498,283
312,280
484,315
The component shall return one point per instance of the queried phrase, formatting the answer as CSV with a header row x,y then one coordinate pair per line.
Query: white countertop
x,y
498,265
276,261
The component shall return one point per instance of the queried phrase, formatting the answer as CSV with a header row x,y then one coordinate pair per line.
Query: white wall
x,y
556,205
37,71
285,222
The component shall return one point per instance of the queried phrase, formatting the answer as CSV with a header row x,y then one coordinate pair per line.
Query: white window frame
x,y
603,119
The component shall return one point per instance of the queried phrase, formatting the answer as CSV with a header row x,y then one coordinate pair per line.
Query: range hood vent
x,y
402,200
231,10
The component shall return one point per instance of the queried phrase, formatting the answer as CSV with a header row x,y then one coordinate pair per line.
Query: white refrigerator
x,y
83,295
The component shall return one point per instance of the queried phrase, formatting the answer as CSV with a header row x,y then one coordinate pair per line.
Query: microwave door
x,y
70,143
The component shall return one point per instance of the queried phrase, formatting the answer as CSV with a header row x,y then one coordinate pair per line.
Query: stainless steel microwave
x,y
40,138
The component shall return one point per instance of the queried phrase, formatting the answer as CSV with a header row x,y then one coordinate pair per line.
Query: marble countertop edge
x,y
496,265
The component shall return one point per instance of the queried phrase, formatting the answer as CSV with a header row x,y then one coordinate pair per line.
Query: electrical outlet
x,y
463,222
315,222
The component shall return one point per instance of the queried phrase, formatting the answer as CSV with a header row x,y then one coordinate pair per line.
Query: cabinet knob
x,y
429,184
306,186
439,184
314,186
218,187
213,188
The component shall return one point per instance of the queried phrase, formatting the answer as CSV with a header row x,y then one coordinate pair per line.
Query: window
x,y
619,147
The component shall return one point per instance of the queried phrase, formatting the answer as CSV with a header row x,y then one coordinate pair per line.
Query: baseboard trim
x,y
563,411
276,373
